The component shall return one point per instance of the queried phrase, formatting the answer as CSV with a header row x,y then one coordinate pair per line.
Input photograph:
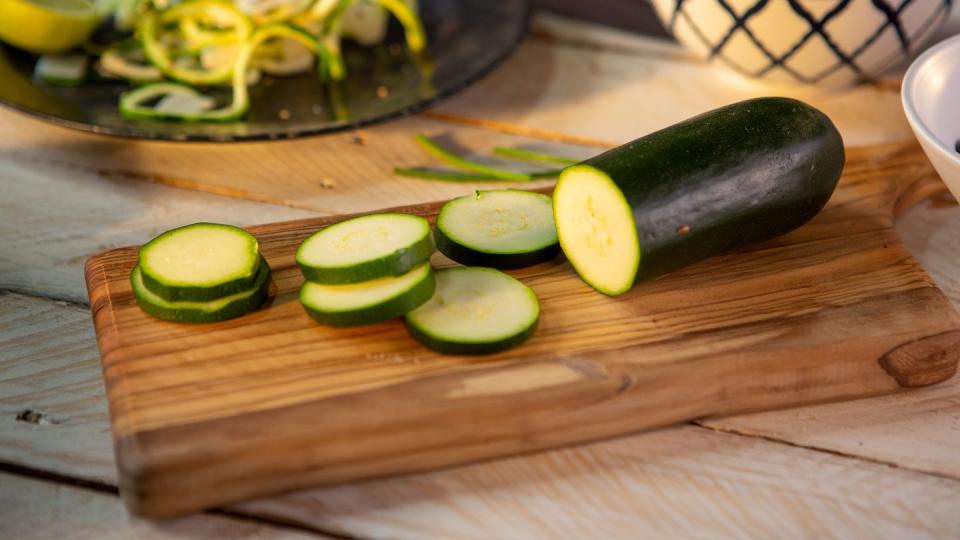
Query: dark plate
x,y
467,38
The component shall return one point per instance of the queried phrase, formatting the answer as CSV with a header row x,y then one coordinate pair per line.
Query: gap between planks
x,y
35,296
40,475
702,423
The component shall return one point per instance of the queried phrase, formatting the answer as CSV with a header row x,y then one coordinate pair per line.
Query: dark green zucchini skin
x,y
235,309
453,347
504,261
740,174
395,264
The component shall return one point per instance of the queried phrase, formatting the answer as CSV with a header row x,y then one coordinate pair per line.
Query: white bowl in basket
x,y
931,101
829,43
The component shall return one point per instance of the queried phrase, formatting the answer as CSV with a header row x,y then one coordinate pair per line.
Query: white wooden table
x,y
875,468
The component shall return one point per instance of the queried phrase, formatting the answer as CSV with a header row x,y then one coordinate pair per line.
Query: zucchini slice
x,y
365,248
744,173
220,309
200,262
369,302
475,311
506,228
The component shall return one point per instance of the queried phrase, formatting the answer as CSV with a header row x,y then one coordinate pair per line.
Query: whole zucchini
x,y
743,173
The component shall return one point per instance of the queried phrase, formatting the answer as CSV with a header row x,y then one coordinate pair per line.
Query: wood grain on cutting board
x,y
204,415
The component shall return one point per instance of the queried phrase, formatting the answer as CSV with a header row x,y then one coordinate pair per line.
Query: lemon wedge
x,y
46,26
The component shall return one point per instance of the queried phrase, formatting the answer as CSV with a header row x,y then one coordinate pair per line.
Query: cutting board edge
x,y
146,481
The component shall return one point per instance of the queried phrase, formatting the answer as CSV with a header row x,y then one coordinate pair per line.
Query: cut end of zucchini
x,y
475,311
202,255
368,302
596,229
366,248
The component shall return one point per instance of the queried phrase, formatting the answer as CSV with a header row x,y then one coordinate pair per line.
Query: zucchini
x,y
475,311
220,309
369,302
151,25
365,248
200,262
740,174
406,12
427,173
506,228
126,60
532,155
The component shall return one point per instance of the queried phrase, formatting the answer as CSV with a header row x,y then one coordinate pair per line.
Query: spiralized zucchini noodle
x,y
178,49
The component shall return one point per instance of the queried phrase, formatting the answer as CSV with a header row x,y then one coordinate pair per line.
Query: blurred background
x,y
635,15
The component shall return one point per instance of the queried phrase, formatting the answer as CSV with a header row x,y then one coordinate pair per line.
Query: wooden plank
x,y
676,482
631,85
37,509
52,413
52,218
337,173
920,432
201,416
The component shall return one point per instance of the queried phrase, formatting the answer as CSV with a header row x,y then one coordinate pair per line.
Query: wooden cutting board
x,y
211,414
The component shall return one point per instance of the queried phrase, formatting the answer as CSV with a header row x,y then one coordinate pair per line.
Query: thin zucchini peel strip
x,y
532,155
427,173
441,153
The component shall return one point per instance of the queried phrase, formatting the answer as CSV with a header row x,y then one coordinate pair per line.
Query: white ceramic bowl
x,y
931,100
829,43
